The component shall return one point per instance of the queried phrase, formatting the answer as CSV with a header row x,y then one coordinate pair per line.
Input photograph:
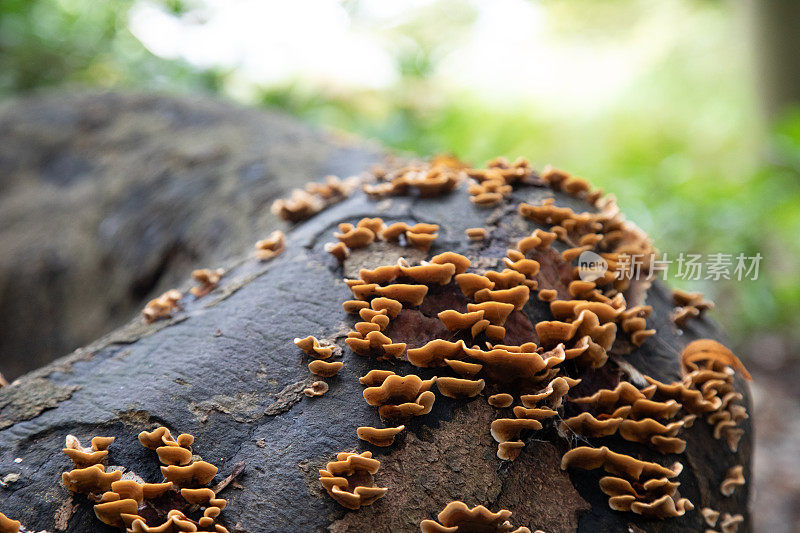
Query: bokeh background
x,y
686,110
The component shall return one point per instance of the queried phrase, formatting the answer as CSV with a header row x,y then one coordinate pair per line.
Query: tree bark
x,y
225,369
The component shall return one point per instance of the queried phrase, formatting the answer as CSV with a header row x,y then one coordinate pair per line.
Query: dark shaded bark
x,y
225,369
108,199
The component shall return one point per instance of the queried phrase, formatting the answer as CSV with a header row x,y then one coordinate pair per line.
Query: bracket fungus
x,y
324,369
476,234
90,480
271,246
400,397
318,388
87,456
162,306
458,517
207,280
459,388
733,479
379,437
9,526
313,347
349,481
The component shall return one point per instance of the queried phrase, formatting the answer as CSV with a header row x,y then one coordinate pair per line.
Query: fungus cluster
x,y
162,306
349,481
633,485
474,351
727,522
127,502
369,230
428,179
207,280
313,198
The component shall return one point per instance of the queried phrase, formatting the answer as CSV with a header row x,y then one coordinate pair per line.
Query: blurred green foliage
x,y
683,146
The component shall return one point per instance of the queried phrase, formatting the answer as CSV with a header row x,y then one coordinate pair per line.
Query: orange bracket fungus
x,y
312,347
458,517
401,396
379,437
733,479
318,388
83,457
326,370
207,280
271,246
349,481
9,526
162,307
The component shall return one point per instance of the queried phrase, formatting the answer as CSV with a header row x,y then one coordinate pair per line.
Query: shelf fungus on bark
x,y
379,436
501,400
90,480
313,198
162,307
459,388
207,280
458,517
476,234
9,526
318,388
552,395
194,474
325,369
349,479
314,348
400,397
435,352
616,464
87,456
271,246
733,479
470,283
339,250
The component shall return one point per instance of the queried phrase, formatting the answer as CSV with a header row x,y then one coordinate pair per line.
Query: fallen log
x,y
226,368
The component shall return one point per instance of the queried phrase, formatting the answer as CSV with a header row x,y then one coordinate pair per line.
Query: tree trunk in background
x,y
225,369
777,27
109,199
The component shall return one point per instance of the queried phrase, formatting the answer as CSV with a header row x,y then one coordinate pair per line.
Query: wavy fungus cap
x,y
90,480
87,456
615,463
349,481
377,436
458,517
9,526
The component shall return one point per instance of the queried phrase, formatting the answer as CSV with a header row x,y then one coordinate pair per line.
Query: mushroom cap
x,y
615,463
587,425
9,526
90,480
174,455
379,437
326,370
471,283
110,512
460,262
397,389
495,312
459,388
203,497
435,352
457,516
197,473
318,388
501,400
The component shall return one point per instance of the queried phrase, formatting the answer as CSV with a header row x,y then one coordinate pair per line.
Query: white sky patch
x,y
510,54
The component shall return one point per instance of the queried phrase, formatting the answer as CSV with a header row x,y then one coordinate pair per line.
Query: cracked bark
x,y
225,369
